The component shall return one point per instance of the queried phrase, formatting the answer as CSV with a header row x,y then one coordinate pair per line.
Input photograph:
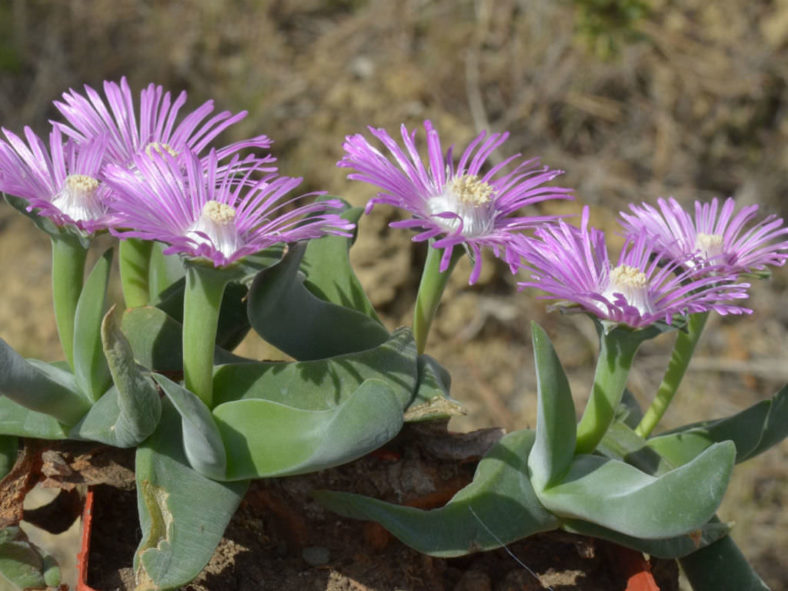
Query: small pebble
x,y
316,555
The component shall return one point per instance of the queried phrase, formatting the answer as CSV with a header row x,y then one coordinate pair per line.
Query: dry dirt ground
x,y
686,99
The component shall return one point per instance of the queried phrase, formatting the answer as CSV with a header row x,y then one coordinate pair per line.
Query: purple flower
x,y
456,205
715,237
573,264
63,182
155,131
205,210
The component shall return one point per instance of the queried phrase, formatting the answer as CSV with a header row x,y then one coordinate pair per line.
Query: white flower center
x,y
160,149
80,198
631,284
709,245
470,199
216,226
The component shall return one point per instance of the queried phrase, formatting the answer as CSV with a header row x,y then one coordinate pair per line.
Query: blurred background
x,y
633,99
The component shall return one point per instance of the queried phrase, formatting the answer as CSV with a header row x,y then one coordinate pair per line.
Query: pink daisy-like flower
x,y
455,205
573,264
63,181
155,129
716,236
205,210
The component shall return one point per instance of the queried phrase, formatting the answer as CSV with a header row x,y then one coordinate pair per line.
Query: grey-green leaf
x,y
290,317
497,508
674,547
40,387
322,384
753,430
90,366
183,514
23,422
202,442
554,447
613,494
721,566
265,438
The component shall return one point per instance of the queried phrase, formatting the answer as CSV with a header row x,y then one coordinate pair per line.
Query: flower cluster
x,y
139,171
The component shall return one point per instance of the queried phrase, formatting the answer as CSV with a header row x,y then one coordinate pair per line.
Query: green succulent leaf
x,y
673,547
322,384
497,508
164,270
292,318
265,438
90,366
613,494
202,442
23,565
721,565
753,430
23,422
155,339
40,387
330,276
129,412
183,514
554,448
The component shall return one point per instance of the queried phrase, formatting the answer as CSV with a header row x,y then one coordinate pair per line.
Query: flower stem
x,y
134,259
616,351
68,271
679,360
431,287
202,300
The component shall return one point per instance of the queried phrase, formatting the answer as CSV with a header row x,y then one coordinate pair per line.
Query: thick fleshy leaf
x,y
138,398
613,494
155,339
90,365
497,508
183,514
329,275
554,447
23,565
163,271
721,566
129,412
40,387
674,547
289,316
265,438
323,384
23,422
202,442
753,430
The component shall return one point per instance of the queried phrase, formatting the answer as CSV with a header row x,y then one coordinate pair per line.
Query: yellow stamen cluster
x,y
220,213
625,276
471,190
81,184
160,149
709,243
